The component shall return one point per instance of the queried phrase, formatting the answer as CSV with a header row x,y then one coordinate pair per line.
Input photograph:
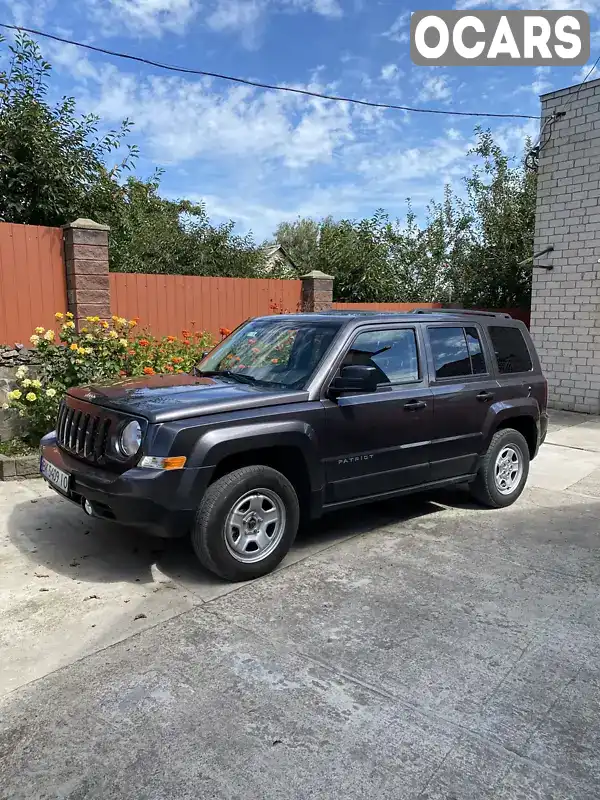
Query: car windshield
x,y
280,352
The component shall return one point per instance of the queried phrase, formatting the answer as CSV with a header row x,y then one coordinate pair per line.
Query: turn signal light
x,y
172,462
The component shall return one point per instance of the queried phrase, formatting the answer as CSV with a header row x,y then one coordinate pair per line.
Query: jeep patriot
x,y
295,415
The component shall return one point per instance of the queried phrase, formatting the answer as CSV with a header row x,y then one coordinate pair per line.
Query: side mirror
x,y
357,379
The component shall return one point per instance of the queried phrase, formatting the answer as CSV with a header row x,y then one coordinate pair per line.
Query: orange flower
x,y
148,371
131,352
186,334
144,342
122,373
171,338
169,368
224,331
178,371
186,343
274,361
177,359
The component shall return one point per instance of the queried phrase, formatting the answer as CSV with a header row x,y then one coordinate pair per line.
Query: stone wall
x,y
11,358
565,308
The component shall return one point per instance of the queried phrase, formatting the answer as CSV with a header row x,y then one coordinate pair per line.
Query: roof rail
x,y
472,311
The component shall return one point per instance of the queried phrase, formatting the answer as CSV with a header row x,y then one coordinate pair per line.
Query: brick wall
x,y
565,307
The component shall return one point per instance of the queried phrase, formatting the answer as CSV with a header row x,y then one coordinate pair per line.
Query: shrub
x,y
100,352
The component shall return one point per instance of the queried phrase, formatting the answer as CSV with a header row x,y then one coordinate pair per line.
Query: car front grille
x,y
83,432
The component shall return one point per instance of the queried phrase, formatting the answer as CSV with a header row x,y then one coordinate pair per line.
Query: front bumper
x,y
163,503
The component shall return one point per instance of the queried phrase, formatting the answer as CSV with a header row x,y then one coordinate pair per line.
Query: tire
x,y
487,488
246,523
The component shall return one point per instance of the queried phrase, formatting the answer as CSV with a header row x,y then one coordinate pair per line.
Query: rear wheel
x,y
503,471
246,523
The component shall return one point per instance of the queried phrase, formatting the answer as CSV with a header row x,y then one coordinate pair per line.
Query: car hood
x,y
162,398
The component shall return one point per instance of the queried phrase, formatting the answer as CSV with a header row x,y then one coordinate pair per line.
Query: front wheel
x,y
246,523
503,471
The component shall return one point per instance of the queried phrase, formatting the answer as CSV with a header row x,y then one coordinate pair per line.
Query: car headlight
x,y
130,439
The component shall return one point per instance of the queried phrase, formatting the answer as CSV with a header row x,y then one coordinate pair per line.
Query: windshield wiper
x,y
226,373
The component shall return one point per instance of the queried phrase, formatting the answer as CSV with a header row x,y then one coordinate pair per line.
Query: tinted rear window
x,y
456,352
512,354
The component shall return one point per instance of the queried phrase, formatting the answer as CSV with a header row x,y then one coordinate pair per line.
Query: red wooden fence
x,y
32,280
168,304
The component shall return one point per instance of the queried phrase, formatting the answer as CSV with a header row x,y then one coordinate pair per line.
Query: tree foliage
x,y
468,250
54,167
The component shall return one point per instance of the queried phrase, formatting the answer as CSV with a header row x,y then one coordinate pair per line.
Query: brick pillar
x,y
317,291
86,256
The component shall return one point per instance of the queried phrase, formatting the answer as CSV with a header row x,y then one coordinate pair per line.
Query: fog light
x,y
88,508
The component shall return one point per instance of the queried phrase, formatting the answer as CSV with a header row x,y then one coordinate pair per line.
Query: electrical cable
x,y
260,85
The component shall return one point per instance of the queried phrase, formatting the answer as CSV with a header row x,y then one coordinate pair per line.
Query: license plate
x,y
59,479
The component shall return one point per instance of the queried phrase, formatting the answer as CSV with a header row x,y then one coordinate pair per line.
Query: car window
x,y
278,351
475,351
512,354
450,352
393,353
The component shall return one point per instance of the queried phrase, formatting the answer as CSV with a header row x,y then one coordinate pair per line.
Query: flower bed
x,y
101,351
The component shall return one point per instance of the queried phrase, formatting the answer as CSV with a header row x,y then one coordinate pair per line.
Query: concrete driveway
x,y
416,649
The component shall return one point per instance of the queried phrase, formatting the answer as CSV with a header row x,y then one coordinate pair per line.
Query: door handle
x,y
415,405
485,397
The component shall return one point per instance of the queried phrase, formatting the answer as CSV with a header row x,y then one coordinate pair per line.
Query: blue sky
x,y
259,157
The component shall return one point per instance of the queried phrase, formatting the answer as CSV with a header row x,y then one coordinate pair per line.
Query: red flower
x,y
186,334
131,352
149,371
169,368
177,359
274,361
251,341
186,343
144,342
224,331
122,373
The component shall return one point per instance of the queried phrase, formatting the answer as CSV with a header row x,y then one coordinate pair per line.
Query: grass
x,y
17,447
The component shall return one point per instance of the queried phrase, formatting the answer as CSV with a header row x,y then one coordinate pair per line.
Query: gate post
x,y
317,291
86,258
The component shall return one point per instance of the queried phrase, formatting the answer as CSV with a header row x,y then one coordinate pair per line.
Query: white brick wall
x,y
565,303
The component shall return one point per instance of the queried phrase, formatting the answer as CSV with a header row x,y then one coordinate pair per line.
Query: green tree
x,y
53,169
50,158
500,203
154,235
468,249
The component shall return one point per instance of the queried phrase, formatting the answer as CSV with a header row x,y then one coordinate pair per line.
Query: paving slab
x,y
559,467
421,649
427,658
73,585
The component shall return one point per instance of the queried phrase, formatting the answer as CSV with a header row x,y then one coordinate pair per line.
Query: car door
x,y
463,387
378,442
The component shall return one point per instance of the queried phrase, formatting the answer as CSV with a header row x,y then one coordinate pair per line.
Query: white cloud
x,y
399,29
591,6
238,17
389,72
453,134
30,13
541,83
247,17
144,17
435,87
580,76
184,120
